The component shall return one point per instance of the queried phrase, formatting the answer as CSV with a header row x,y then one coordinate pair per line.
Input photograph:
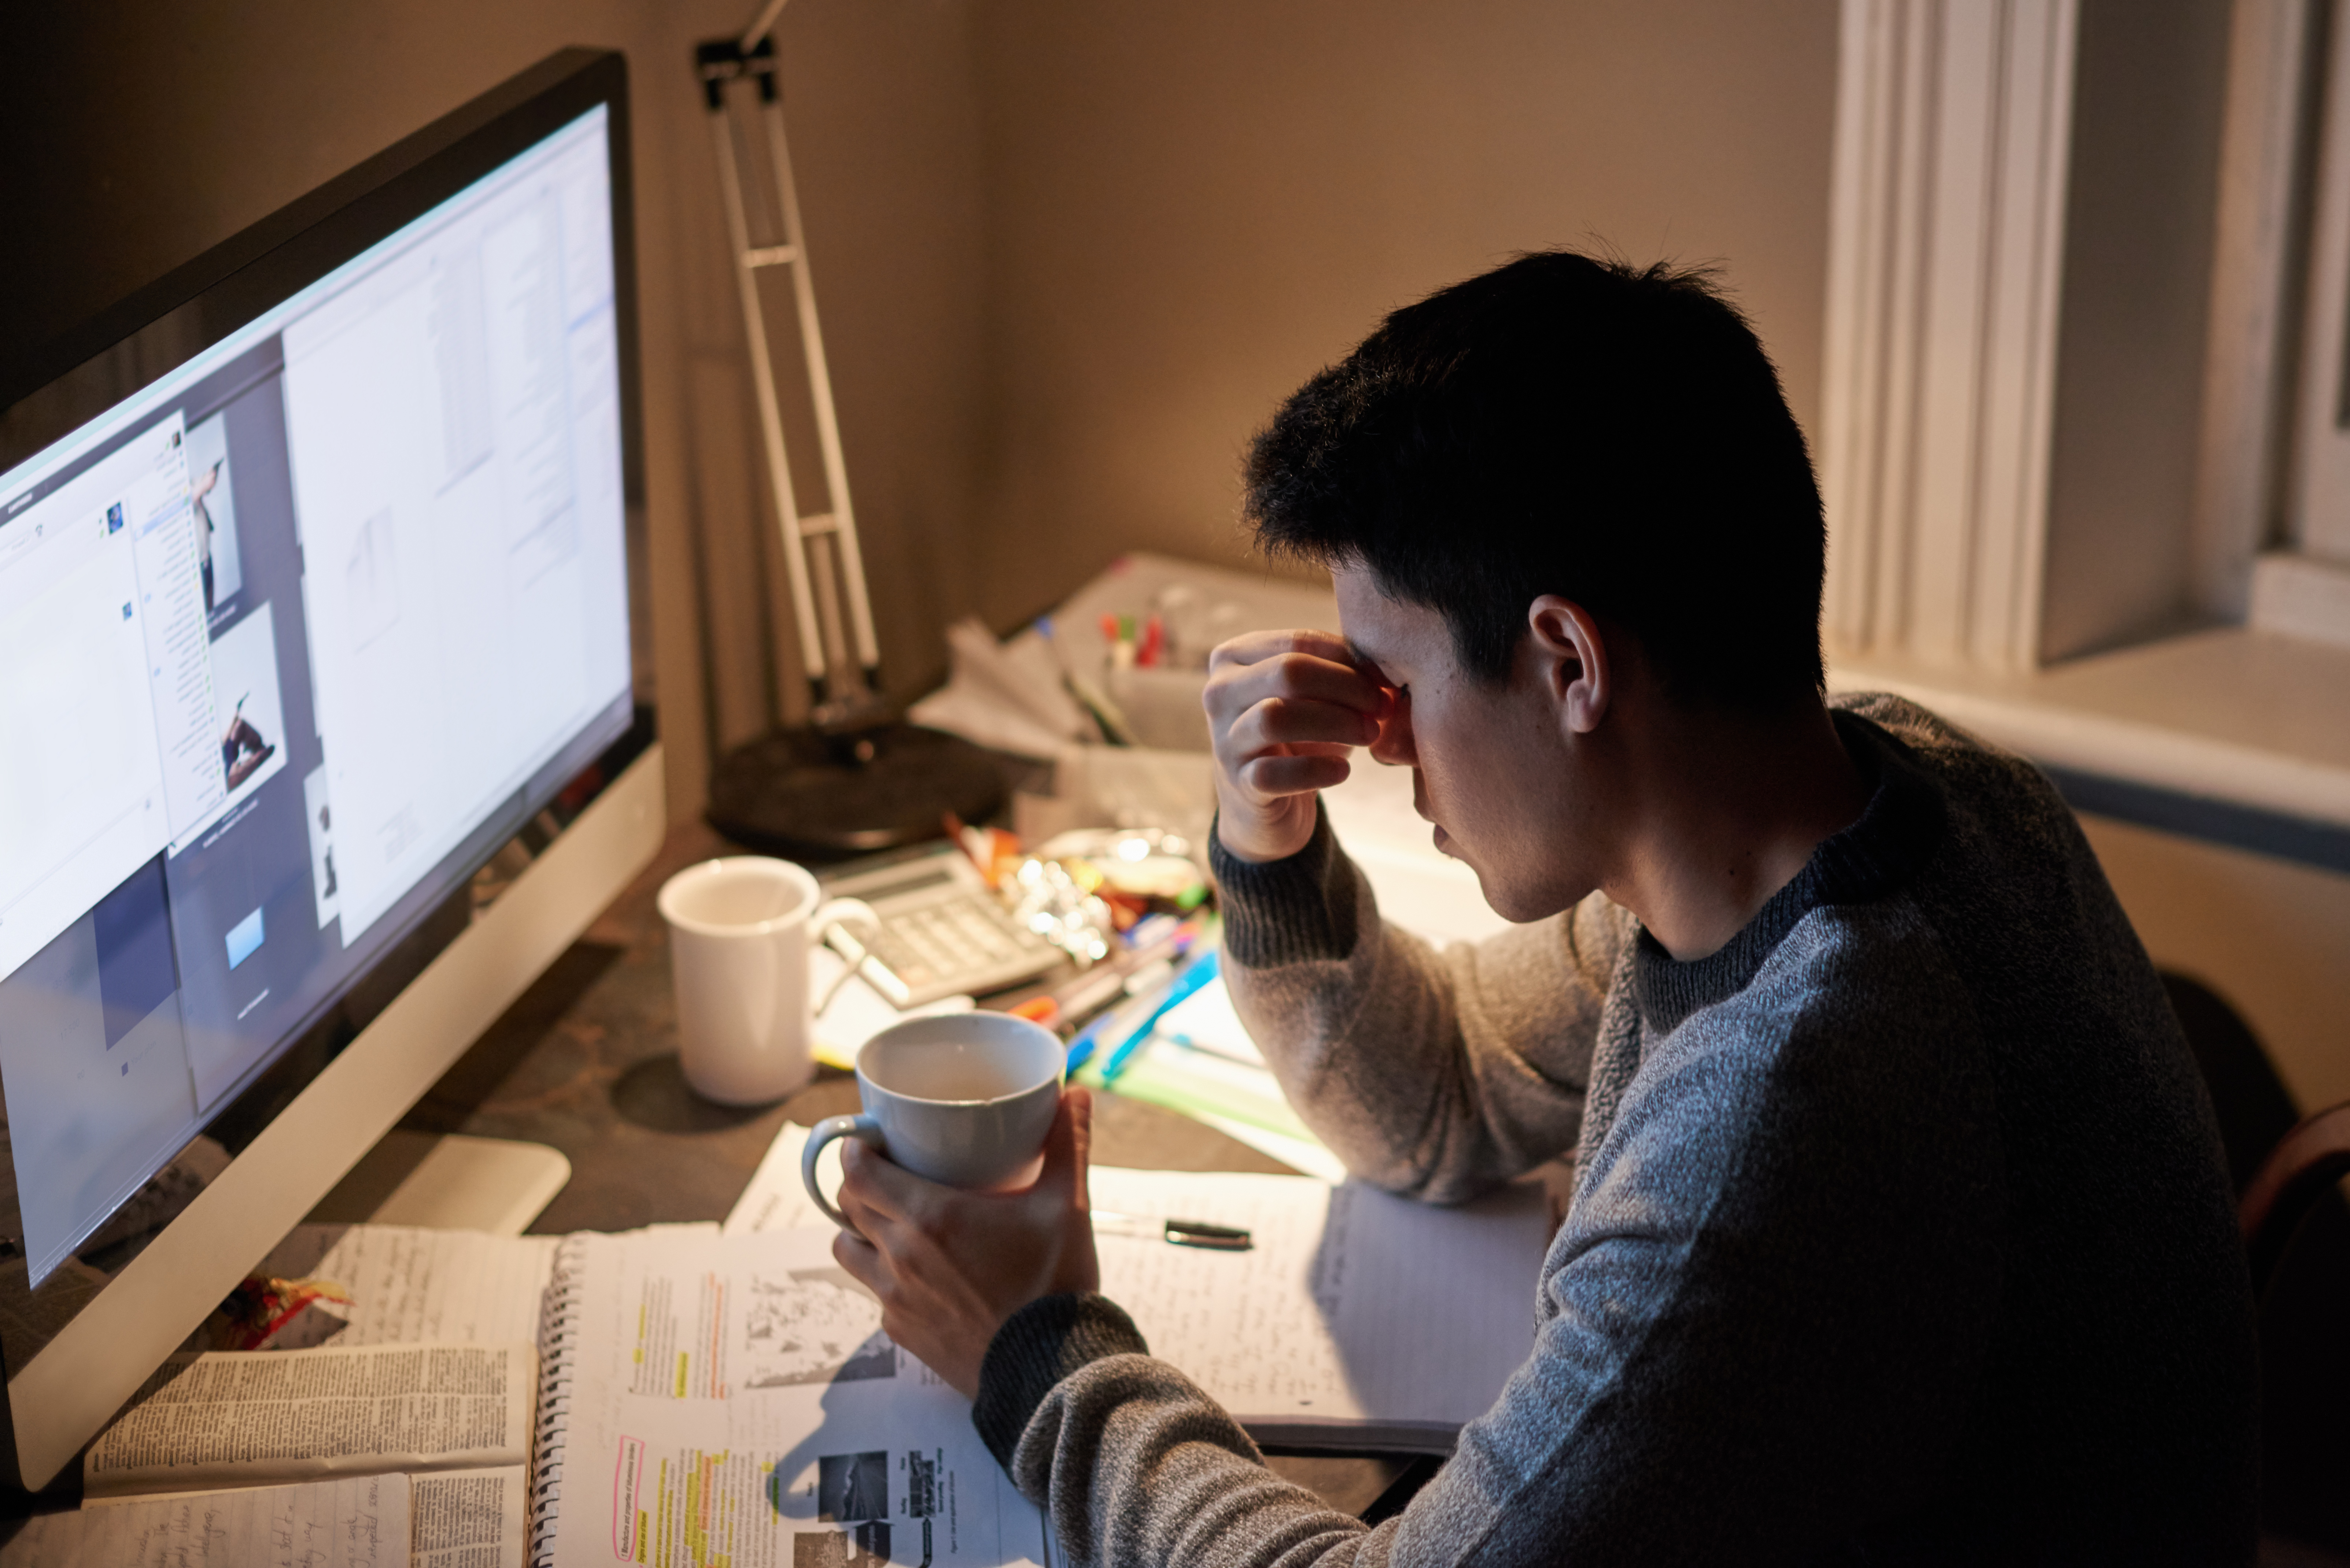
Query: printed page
x,y
412,1286
469,1519
734,1399
357,1521
1355,1307
255,1418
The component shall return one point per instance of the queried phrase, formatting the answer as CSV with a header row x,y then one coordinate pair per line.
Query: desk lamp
x,y
854,779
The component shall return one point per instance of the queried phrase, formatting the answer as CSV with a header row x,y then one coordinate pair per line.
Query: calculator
x,y
942,930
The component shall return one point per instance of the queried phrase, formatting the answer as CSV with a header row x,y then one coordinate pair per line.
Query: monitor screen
x,y
291,639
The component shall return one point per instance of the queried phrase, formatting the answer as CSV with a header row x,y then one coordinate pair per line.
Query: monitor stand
x,y
447,1181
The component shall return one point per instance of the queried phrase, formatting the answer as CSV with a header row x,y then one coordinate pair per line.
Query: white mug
x,y
964,1099
741,930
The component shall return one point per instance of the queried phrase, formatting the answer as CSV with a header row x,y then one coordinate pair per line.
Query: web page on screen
x,y
284,630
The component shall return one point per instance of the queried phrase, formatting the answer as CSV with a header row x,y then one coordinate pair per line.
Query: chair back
x,y
2310,1158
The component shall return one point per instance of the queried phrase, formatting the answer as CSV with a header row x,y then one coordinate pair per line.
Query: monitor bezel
x,y
52,391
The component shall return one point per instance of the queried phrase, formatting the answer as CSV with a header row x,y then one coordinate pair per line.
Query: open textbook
x,y
234,1419
1359,1320
417,1419
733,1400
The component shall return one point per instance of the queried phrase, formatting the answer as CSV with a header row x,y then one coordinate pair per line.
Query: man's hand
x,y
950,1266
1285,708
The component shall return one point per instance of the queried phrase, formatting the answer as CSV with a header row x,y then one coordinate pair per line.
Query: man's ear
x,y
1571,657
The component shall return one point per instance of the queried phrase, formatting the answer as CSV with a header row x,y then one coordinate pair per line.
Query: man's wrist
x,y
1297,909
1037,1346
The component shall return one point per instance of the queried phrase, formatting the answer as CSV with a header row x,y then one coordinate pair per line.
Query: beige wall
x,y
1069,255
1195,205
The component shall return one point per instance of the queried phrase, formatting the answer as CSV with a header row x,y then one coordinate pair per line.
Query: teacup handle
x,y
863,1129
851,914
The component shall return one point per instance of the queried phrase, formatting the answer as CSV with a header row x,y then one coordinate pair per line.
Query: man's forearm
x,y
1133,1464
1437,1075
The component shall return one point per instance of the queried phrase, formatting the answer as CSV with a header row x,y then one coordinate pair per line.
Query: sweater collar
x,y
1877,855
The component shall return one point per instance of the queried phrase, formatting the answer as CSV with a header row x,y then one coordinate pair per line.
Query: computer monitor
x,y
313,594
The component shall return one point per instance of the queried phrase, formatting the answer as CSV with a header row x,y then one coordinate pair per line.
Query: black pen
x,y
1175,1232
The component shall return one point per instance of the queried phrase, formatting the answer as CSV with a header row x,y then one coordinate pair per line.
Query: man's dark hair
x,y
1569,425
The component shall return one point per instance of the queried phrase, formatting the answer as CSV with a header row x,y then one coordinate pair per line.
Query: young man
x,y
1899,1232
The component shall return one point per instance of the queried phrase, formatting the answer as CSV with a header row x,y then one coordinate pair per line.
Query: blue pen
x,y
1082,1043
1195,974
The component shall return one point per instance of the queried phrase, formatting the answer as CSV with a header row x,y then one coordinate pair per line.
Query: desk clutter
x,y
690,1394
687,1393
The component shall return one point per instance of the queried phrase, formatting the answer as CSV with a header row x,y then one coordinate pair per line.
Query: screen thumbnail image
x,y
248,718
213,496
324,884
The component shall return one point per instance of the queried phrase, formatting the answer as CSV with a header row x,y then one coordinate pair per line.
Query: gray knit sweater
x,y
1899,1232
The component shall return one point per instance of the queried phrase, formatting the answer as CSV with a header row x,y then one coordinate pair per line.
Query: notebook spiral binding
x,y
558,1335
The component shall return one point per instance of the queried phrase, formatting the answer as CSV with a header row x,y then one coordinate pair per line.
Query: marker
x,y
1195,974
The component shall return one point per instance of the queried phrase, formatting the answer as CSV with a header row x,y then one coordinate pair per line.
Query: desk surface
x,y
586,1062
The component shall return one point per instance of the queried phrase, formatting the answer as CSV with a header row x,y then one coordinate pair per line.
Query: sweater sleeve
x,y
1759,1336
1433,1074
1130,1461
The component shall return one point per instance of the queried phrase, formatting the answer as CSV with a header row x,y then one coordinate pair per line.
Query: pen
x,y
1193,975
1098,985
1082,1043
1174,1233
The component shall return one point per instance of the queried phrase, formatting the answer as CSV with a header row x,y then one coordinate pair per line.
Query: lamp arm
x,y
758,29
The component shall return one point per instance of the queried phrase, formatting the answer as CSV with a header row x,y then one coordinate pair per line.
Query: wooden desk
x,y
586,1061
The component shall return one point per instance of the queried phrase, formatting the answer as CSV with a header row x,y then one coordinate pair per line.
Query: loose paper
x,y
359,1521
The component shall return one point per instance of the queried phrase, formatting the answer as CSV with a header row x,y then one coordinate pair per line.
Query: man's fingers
x,y
1294,775
1300,676
1255,647
862,1260
1288,721
859,1212
1067,1146
876,1182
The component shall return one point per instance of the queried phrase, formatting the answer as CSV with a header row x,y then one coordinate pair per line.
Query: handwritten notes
x,y
1360,1316
409,1285
360,1522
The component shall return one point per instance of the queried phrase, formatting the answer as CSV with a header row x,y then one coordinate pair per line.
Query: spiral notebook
x,y
708,1399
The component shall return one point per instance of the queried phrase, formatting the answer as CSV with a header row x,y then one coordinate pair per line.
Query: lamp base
x,y
810,796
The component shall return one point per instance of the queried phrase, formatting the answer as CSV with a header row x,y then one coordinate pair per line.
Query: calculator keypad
x,y
950,936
